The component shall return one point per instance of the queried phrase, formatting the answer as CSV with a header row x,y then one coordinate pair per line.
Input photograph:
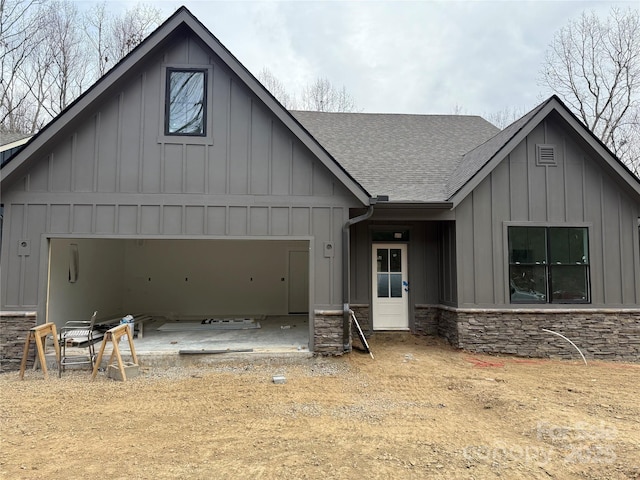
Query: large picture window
x,y
549,265
186,100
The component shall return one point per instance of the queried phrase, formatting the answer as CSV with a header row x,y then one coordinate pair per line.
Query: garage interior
x,y
251,294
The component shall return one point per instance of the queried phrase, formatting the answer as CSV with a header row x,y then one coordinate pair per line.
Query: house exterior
x,y
177,185
534,229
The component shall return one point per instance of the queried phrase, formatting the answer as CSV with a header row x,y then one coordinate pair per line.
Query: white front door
x,y
390,287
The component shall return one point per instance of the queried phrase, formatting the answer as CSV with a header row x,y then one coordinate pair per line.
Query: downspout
x,y
346,319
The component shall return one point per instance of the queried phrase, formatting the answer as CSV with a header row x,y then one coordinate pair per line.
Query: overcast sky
x,y
398,56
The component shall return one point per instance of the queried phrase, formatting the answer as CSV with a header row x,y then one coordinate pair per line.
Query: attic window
x,y
546,155
186,100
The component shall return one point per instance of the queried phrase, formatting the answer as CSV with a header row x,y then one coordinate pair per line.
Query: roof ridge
x,y
397,114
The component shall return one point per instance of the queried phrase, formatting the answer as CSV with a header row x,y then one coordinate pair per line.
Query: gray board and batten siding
x,y
109,172
576,191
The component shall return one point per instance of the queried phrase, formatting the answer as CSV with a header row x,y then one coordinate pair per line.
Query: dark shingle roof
x,y
410,158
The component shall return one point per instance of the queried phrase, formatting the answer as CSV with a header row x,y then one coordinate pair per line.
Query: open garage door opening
x,y
208,295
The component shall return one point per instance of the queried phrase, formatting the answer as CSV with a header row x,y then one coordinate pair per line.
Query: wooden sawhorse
x,y
113,335
38,334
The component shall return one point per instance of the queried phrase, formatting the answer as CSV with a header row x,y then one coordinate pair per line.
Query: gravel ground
x,y
420,409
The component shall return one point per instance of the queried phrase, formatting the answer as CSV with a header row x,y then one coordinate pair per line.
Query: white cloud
x,y
398,56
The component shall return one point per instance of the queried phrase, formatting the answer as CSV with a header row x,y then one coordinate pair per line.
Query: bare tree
x,y
18,39
64,54
319,96
593,64
323,96
112,36
96,27
277,88
128,30
505,117
50,53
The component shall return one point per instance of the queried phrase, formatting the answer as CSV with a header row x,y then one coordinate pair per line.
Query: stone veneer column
x,y
14,328
361,312
327,332
427,319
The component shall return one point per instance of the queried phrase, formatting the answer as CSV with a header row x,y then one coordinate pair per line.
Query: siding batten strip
x,y
509,184
474,262
546,194
74,159
528,173
96,151
183,162
71,218
270,161
138,219
584,188
143,82
621,249
290,167
48,217
227,212
119,141
249,150
50,173
604,247
564,178
227,187
163,162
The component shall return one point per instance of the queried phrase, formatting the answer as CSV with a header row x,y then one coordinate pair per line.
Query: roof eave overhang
x,y
554,104
390,205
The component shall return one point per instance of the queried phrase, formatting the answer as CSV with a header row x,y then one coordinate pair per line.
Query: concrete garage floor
x,y
283,337
287,333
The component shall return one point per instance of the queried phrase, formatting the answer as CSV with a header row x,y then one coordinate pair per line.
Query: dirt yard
x,y
419,410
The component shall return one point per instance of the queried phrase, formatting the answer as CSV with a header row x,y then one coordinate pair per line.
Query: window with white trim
x,y
186,102
549,265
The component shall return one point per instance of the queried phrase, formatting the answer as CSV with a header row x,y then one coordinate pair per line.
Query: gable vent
x,y
546,155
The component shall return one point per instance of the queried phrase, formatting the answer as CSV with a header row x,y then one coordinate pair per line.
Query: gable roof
x,y
410,158
477,164
436,158
180,19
